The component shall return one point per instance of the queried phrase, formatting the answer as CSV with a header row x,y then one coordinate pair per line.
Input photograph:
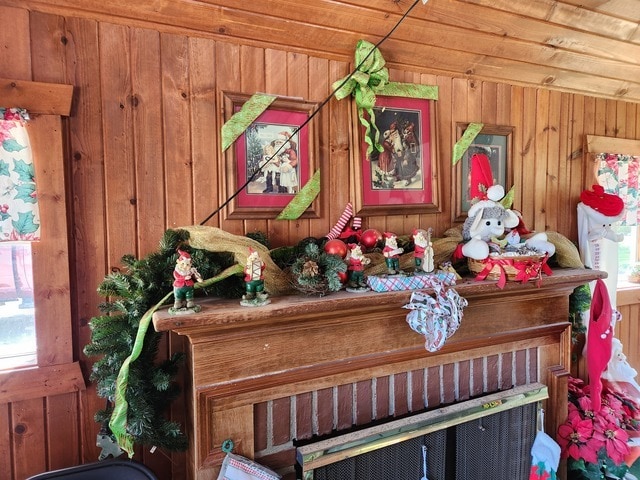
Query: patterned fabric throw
x,y
19,213
618,174
235,467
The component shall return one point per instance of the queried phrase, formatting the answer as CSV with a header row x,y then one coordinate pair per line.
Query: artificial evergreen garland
x,y
129,295
316,272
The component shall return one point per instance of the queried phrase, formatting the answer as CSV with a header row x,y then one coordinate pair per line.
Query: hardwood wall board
x,y
179,181
227,80
47,47
319,89
446,131
117,124
516,120
146,107
85,164
27,437
6,446
563,165
554,130
539,167
63,430
16,44
204,125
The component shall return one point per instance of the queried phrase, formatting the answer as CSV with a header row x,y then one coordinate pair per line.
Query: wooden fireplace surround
x,y
240,356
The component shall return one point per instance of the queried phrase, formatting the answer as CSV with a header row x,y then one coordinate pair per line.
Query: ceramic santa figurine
x,y
392,253
423,251
356,261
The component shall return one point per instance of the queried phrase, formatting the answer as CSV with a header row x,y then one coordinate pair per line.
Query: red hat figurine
x,y
607,204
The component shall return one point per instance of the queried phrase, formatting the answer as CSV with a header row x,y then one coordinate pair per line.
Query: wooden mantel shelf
x,y
224,314
242,356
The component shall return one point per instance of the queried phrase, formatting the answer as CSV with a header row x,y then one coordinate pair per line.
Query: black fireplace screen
x,y
494,447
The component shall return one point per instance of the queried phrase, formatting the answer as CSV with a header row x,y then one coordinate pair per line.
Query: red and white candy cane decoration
x,y
342,221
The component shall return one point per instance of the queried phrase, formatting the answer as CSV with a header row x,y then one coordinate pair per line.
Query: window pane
x,y
17,313
627,251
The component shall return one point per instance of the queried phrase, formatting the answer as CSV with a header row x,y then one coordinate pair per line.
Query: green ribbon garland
x,y
468,136
302,200
240,121
118,420
371,78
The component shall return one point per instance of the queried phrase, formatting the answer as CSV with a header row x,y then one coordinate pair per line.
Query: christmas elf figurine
x,y
356,263
254,281
184,274
392,252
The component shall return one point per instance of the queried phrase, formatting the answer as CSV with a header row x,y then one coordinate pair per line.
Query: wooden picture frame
x,y
403,178
262,176
497,142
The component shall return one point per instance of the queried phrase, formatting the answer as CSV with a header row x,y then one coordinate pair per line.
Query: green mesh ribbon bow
x,y
371,78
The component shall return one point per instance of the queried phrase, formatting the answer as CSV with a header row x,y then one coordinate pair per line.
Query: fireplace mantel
x,y
240,357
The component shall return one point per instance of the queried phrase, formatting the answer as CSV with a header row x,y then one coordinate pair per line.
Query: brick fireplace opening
x,y
487,437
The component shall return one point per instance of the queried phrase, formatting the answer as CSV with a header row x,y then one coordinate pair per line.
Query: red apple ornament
x,y
370,238
336,247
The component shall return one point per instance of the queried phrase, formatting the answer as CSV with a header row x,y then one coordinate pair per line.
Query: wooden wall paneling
x,y
49,259
503,104
611,128
528,157
474,99
562,218
179,181
446,132
630,120
319,89
576,162
589,128
342,150
299,78
252,80
87,175
48,48
489,103
205,145
621,117
539,166
29,446
601,118
515,120
554,129
6,445
15,42
115,76
146,108
458,111
227,80
63,430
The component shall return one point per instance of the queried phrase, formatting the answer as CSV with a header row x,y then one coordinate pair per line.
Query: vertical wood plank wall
x,y
143,156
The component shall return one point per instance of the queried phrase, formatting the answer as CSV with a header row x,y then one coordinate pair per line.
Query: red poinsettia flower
x,y
575,437
615,439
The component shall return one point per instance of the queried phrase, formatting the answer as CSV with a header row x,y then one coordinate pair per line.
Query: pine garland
x,y
129,294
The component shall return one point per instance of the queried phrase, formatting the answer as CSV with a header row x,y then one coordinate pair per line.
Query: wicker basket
x,y
512,265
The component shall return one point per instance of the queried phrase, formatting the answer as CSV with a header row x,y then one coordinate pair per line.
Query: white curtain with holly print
x,y
19,216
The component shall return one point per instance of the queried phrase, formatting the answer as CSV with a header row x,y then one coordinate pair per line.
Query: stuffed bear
x,y
486,219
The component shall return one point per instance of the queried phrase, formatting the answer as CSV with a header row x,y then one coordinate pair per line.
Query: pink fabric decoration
x,y
599,341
